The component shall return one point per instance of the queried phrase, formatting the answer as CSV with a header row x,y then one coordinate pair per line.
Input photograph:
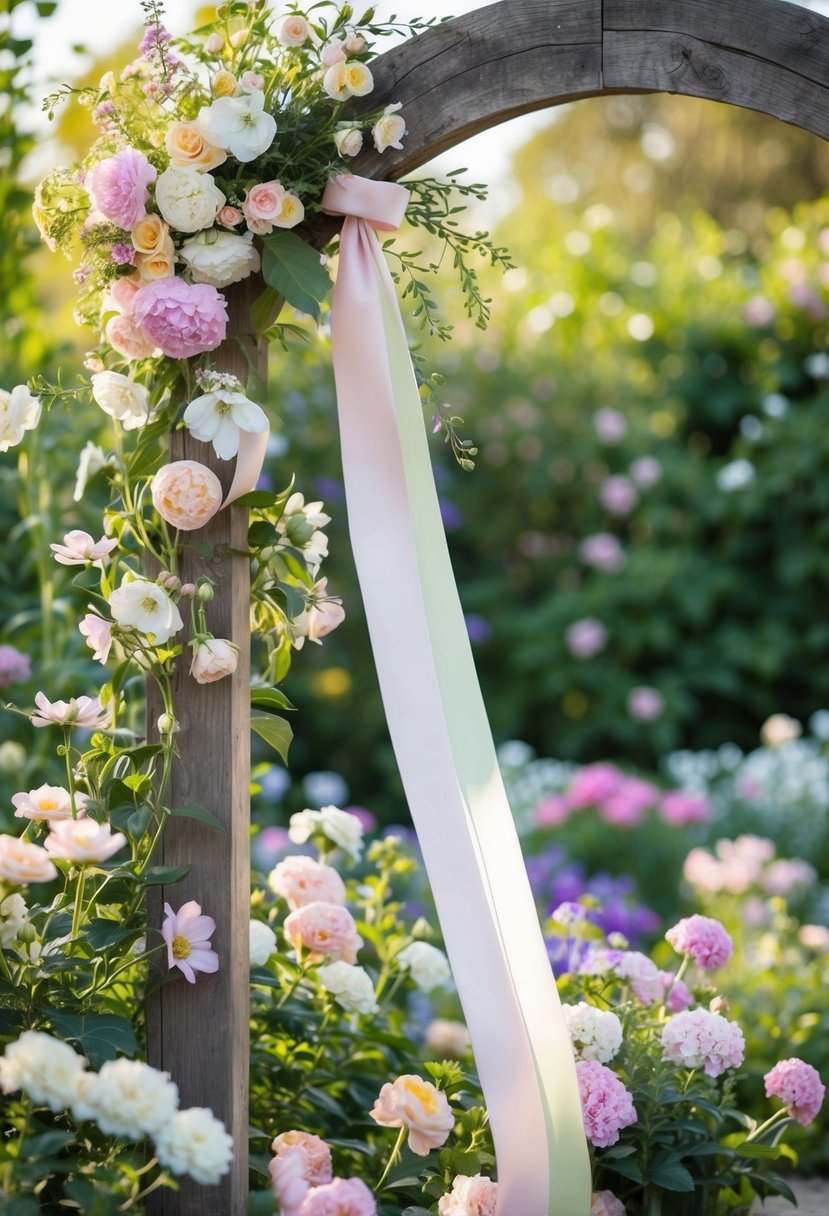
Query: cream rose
x,y
347,79
213,660
418,1105
22,863
350,986
389,129
187,199
349,141
291,213
189,149
158,265
186,494
219,258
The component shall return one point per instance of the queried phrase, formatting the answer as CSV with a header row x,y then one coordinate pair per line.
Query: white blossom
x,y
340,827
188,200
19,412
350,985
596,1034
129,1098
240,125
218,416
219,258
428,966
144,606
262,943
195,1142
45,1068
121,398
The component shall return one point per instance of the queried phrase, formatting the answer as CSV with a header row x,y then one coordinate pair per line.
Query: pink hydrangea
x,y
799,1086
627,804
342,1197
704,939
182,319
15,667
594,783
606,1105
678,995
324,931
698,1038
552,811
643,975
119,187
680,806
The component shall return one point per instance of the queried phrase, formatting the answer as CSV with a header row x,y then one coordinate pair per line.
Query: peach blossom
x,y
123,289
315,1153
304,880
418,1105
148,236
22,863
186,494
78,549
323,931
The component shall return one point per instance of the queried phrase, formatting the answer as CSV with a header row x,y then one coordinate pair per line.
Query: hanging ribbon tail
x,y
251,456
440,732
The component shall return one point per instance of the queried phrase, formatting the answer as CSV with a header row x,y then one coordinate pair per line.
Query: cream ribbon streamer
x,y
440,731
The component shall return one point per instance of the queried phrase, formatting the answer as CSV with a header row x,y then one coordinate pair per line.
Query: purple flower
x,y
610,425
478,628
645,704
15,667
586,638
603,552
617,495
123,254
451,515
646,471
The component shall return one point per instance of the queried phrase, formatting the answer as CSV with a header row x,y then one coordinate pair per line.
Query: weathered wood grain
x,y
199,1033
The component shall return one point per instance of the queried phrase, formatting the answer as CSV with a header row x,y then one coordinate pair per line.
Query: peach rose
x,y
148,236
315,1153
224,84
291,213
214,659
158,265
22,863
333,52
416,1104
123,290
262,206
304,880
294,31
476,1196
128,338
229,217
189,149
324,931
186,494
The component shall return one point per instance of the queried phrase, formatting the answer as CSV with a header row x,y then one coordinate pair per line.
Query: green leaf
x,y
771,1151
43,1146
261,534
19,1205
101,933
101,1036
266,309
294,270
156,875
198,812
628,1169
275,731
256,498
672,1177
269,698
261,1203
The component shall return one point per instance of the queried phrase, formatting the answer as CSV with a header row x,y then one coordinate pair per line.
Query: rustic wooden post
x,y
199,1033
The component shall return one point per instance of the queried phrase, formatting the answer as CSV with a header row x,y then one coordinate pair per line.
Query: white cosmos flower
x,y
19,412
143,605
121,398
240,125
217,417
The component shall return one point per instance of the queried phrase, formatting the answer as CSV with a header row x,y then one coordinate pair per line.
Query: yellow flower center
x,y
425,1094
48,804
181,948
148,604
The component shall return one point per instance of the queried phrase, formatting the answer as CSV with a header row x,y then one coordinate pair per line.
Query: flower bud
x,y
348,142
298,530
214,44
167,724
204,590
239,38
188,590
139,946
27,932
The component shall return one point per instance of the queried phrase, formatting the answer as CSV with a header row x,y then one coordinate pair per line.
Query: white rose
x,y
131,1099
448,1038
340,827
219,258
12,917
188,200
19,412
349,141
45,1068
389,129
350,986
262,943
428,966
194,1142
596,1034
121,398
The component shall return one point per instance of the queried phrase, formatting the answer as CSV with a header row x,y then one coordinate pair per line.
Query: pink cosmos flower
x,y
15,667
287,1173
645,704
315,1154
78,549
586,638
86,712
475,1196
304,880
83,841
324,931
182,319
606,1105
605,1203
593,784
419,1106
704,939
187,934
118,187
98,634
342,1197
682,806
799,1086
699,1038
603,552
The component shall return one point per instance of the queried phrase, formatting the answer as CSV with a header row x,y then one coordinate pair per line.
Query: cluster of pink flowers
x,y
606,1105
749,861
798,1086
620,799
304,1183
704,939
698,1038
15,667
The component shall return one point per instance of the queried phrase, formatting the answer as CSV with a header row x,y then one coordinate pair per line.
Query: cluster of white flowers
x,y
125,1098
340,827
596,1034
350,985
427,966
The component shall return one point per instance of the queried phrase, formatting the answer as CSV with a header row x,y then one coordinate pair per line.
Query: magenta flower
x,y
626,806
704,939
187,934
182,319
606,1105
799,1086
119,187
594,783
15,667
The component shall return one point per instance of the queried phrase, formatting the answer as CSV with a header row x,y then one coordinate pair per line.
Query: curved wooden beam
x,y
516,56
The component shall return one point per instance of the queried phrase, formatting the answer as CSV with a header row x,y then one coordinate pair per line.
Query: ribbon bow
x,y
439,729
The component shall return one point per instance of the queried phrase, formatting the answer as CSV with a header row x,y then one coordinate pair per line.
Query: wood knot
x,y
697,59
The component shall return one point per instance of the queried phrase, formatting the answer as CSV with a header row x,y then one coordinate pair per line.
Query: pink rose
x,y
262,206
315,1154
417,1105
324,931
119,187
182,319
129,339
123,291
304,880
186,494
476,1196
214,659
287,1173
22,863
342,1197
229,217
333,52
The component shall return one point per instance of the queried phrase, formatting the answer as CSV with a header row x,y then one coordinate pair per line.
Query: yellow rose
x,y
291,212
149,235
224,84
188,149
357,79
160,264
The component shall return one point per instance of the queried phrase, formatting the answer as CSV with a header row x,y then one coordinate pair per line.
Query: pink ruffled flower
x,y
287,1173
593,784
678,996
304,880
182,319
681,806
552,811
342,1197
605,1203
118,187
128,339
324,931
419,1106
15,667
799,1086
186,494
187,934
698,1038
704,939
606,1105
315,1154
475,1196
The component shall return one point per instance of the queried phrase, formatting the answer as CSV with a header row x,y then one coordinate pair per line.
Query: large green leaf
x,y
293,269
270,699
101,1036
273,730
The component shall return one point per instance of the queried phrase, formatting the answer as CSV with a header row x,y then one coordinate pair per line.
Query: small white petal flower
x,y
194,1142
144,606
217,417
19,412
240,125
121,398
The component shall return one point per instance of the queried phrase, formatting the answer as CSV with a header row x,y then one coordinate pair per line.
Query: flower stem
x,y
70,780
395,1154
76,915
778,1117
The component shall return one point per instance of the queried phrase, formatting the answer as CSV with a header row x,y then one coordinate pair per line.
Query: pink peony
x,y
681,806
123,291
342,1197
418,1105
182,319
304,880
594,783
15,667
698,1038
799,1086
186,494
118,187
315,1154
605,1203
476,1196
606,1105
704,939
324,931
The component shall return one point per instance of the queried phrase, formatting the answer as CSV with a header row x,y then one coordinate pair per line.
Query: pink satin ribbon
x,y
442,741
253,446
